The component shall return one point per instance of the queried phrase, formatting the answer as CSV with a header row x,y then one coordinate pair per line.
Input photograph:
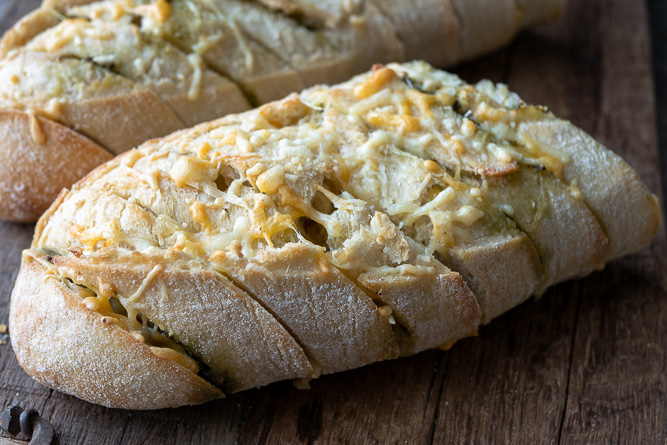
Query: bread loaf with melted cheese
x,y
120,72
342,226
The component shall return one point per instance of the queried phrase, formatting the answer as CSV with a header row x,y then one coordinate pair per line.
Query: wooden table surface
x,y
584,364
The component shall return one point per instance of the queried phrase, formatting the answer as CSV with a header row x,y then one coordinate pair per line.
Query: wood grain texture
x,y
657,12
584,364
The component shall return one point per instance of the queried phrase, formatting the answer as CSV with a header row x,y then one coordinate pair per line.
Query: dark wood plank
x,y
618,387
657,13
509,385
390,402
616,390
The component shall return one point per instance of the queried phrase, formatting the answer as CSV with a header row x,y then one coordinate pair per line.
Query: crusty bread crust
x,y
501,272
434,309
113,111
557,223
194,110
440,46
123,121
338,325
318,13
36,162
181,82
67,347
627,211
242,343
27,28
482,33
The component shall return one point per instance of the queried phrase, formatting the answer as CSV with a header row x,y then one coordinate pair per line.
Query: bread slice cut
x,y
268,48
619,188
356,335
419,293
460,30
429,205
198,224
276,155
568,153
453,219
64,345
450,21
429,127
283,162
242,344
574,157
182,82
339,326
557,222
109,109
197,29
319,56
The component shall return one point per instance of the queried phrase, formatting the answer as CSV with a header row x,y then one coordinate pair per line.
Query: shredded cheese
x,y
129,301
37,133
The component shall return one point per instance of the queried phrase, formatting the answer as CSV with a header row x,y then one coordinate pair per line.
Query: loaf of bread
x,y
87,80
343,226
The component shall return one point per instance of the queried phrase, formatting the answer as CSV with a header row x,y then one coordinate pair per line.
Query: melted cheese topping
x,y
192,170
269,181
497,111
159,11
245,184
361,170
123,48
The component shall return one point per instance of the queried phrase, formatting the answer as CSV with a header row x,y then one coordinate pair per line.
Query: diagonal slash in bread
x,y
346,225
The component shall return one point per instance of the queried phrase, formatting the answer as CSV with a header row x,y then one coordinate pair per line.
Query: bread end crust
x,y
89,356
25,29
38,158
